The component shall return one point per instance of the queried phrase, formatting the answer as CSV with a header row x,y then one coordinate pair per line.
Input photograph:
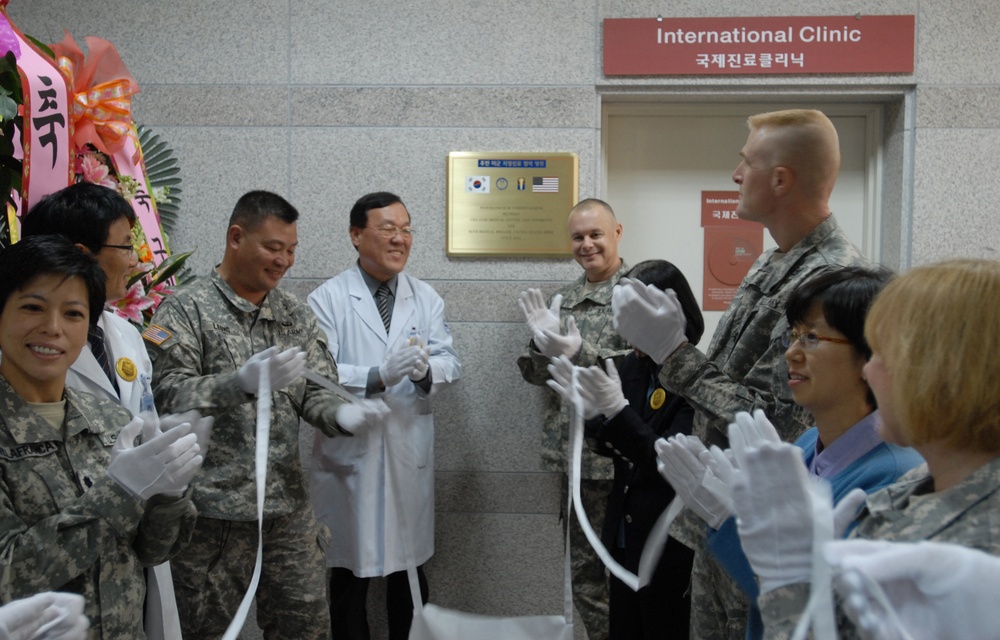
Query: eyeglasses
x,y
124,247
808,340
389,231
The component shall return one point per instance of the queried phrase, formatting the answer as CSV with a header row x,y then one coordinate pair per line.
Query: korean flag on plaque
x,y
477,184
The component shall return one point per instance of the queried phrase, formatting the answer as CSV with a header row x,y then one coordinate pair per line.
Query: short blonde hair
x,y
790,118
804,140
938,330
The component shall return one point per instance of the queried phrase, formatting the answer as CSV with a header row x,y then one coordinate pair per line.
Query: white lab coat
x,y
352,492
125,347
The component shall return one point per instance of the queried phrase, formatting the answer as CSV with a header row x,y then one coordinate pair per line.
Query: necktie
x,y
382,298
95,336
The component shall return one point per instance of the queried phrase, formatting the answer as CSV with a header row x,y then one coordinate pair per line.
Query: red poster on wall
x,y
731,247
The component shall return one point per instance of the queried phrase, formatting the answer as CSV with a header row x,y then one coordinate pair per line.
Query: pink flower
x,y
134,303
157,293
93,170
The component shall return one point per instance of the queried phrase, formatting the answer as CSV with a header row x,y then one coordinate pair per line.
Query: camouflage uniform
x,y
592,311
202,335
66,526
908,511
744,370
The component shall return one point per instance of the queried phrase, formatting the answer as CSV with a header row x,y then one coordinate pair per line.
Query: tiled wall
x,y
324,100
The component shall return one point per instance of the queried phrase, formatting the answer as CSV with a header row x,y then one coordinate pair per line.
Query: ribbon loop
x,y
101,93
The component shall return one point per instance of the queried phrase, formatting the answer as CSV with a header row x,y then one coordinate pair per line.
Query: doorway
x,y
659,157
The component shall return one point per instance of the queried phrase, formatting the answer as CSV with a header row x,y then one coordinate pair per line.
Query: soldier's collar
x,y
25,425
234,298
82,419
601,294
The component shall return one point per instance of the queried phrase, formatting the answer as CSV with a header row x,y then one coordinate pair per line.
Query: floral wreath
x,y
107,148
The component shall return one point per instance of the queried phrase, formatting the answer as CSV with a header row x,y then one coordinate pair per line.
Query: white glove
x,y
602,389
400,363
773,498
50,616
153,425
285,368
680,460
352,416
937,590
422,366
163,465
536,314
553,344
650,319
755,430
846,511
562,382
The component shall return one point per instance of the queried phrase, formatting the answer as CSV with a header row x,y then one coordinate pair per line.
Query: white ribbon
x,y
819,613
260,459
657,538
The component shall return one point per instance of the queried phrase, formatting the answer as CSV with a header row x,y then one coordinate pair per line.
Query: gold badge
x,y
658,398
126,369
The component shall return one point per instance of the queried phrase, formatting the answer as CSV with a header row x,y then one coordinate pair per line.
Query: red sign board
x,y
718,209
758,46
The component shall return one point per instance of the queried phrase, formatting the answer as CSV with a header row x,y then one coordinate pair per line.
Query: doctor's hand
x,y
352,416
552,344
536,314
422,366
650,319
935,589
402,362
165,464
285,368
51,616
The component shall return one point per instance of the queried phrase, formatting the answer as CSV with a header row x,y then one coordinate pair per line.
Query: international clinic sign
x,y
758,46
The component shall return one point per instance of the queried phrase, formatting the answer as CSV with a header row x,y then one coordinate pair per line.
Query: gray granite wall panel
x,y
382,42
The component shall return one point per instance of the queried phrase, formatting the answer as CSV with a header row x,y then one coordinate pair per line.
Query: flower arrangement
x,y
147,287
89,120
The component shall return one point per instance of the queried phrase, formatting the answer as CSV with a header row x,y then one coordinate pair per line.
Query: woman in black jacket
x,y
627,412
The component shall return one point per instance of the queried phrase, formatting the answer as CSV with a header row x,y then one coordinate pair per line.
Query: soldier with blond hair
x,y
786,175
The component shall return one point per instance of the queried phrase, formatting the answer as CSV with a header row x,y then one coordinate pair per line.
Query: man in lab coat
x,y
388,335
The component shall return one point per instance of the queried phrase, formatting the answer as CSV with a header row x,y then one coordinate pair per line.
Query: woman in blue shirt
x,y
826,351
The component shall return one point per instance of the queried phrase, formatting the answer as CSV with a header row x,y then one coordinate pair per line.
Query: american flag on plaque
x,y
541,184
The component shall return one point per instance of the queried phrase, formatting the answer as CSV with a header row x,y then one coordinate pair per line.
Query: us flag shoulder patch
x,y
156,334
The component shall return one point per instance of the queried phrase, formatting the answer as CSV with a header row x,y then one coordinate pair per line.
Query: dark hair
x,y
377,200
32,257
82,212
664,275
845,295
254,207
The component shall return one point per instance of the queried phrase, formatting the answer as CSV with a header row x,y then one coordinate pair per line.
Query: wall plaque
x,y
510,204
